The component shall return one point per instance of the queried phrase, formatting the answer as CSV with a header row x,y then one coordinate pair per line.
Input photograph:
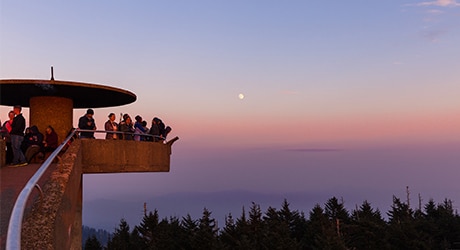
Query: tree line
x,y
435,226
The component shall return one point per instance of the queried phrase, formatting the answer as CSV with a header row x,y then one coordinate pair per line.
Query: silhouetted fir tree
x,y
367,229
175,236
441,225
295,222
190,227
163,236
206,233
121,237
337,214
450,220
242,227
92,243
323,233
303,241
402,229
136,241
338,217
148,229
425,229
229,234
255,227
278,233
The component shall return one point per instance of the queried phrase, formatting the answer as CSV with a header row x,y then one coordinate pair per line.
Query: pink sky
x,y
378,81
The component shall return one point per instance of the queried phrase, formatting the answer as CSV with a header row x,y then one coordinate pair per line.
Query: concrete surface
x,y
119,156
12,181
54,111
54,221
2,153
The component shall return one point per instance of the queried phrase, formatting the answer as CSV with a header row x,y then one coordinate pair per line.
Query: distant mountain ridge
x,y
102,236
106,213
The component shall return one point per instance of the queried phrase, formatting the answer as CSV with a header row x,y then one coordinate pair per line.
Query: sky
x,y
346,98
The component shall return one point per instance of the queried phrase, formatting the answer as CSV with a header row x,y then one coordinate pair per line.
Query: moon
x,y
241,96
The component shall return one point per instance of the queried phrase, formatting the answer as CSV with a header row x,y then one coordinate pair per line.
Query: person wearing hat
x,y
111,125
17,136
87,122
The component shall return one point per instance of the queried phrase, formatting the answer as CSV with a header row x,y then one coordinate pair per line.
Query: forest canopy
x,y
332,226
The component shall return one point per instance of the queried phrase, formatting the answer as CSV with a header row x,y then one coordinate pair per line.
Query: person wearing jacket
x,y
6,129
17,136
87,122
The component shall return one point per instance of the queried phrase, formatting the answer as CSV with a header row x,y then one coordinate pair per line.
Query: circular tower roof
x,y
84,95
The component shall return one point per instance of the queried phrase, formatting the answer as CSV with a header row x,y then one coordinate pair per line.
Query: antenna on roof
x,y
52,74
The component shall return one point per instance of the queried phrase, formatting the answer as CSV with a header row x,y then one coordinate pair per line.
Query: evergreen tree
x,y
190,227
229,235
337,214
92,243
148,229
121,237
206,234
367,229
175,237
323,233
163,236
278,233
402,230
441,225
295,222
136,241
255,227
242,228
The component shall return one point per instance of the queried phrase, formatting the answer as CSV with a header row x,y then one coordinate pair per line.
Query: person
x,y
32,144
163,130
17,136
144,125
111,125
126,126
5,132
87,122
51,139
139,129
154,130
32,137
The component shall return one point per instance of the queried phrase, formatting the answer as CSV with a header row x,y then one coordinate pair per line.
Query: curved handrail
x,y
122,133
13,240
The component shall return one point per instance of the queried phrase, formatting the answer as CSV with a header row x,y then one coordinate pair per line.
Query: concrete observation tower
x,y
55,221
51,102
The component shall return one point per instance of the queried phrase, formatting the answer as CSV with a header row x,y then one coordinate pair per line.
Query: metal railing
x,y
124,133
13,240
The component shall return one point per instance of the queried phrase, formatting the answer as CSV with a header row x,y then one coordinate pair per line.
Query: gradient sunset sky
x,y
340,96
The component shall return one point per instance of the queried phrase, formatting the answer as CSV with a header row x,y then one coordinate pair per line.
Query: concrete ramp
x,y
55,218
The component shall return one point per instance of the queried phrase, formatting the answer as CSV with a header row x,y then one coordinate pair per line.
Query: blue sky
x,y
375,83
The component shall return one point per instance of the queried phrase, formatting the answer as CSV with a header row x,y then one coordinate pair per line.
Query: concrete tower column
x,y
54,111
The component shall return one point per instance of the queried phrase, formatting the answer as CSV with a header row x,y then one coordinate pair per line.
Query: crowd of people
x,y
23,143
126,128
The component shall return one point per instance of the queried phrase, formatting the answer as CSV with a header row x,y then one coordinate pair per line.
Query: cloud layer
x,y
440,3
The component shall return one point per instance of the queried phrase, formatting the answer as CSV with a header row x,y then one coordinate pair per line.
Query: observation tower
x,y
46,211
